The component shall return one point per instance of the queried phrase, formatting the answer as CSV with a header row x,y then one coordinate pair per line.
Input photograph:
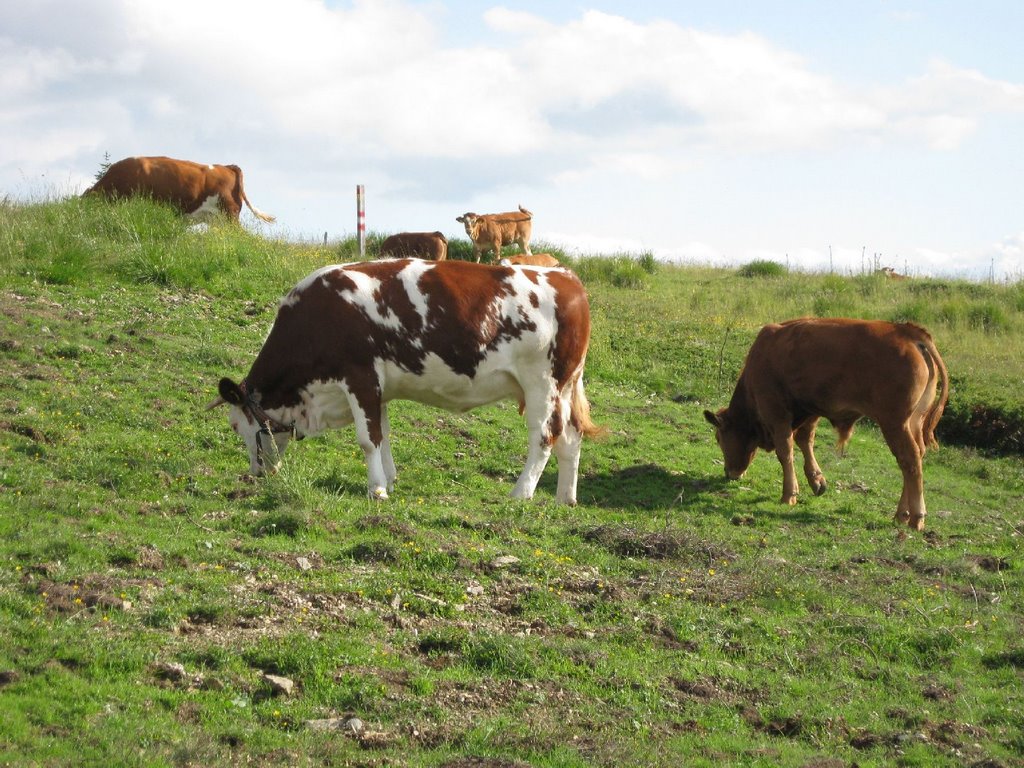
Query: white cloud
x,y
946,104
375,76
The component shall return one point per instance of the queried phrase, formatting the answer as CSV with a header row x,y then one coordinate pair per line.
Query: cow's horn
x,y
219,401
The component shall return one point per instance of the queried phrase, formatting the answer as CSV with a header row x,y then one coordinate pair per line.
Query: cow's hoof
x,y
790,500
820,486
379,494
902,517
916,523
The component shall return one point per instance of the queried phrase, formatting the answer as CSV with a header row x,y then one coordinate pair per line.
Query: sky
x,y
823,134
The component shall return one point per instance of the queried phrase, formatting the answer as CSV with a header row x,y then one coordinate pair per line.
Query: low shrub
x,y
620,270
994,429
762,268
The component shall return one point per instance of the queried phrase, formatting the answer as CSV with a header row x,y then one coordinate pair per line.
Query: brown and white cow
x,y
531,260
420,245
840,369
350,338
490,231
193,188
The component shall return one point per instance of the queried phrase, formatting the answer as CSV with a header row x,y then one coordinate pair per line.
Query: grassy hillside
x,y
148,587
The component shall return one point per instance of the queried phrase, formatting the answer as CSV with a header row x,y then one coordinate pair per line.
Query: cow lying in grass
x,y
348,339
801,370
531,260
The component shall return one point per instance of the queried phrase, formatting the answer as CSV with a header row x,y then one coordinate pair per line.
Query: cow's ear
x,y
713,419
231,392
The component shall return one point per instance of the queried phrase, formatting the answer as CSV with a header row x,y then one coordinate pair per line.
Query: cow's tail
x,y
241,193
580,411
936,367
526,212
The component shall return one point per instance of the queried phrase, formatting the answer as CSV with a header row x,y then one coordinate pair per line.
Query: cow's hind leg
x,y
567,451
538,411
368,419
904,446
805,440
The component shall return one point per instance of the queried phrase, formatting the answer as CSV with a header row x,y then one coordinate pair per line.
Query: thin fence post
x,y
361,219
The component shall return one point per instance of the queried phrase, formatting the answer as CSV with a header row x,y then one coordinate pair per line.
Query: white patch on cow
x,y
440,386
209,208
363,298
324,406
295,294
410,277
519,304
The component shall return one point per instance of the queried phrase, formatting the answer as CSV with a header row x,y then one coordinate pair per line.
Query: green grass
x,y
672,618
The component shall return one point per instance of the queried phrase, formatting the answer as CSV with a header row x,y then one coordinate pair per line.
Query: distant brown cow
x,y
193,188
490,231
421,245
891,273
532,260
801,370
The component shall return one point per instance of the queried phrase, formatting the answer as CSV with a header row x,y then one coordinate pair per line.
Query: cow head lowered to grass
x,y
193,188
801,370
350,338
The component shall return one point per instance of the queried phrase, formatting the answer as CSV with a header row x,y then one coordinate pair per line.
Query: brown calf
x,y
801,370
490,231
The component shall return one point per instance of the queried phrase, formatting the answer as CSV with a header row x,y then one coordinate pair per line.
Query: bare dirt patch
x,y
669,543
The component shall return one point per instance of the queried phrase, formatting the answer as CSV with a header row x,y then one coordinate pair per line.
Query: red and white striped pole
x,y
361,219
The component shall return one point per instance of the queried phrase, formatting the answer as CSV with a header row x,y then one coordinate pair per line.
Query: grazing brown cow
x,y
420,245
801,370
531,260
490,231
193,188
348,339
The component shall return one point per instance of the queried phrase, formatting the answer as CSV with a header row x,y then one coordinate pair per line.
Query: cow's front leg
x,y
783,438
805,441
367,418
387,460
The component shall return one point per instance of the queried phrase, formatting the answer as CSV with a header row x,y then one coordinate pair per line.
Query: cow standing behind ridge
x,y
348,339
194,189
419,245
490,231
841,369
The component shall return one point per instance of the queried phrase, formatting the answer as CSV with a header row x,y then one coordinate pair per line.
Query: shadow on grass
x,y
648,486
341,485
